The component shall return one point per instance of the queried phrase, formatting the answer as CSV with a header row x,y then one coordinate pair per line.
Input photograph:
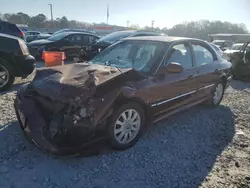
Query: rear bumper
x,y
36,51
25,66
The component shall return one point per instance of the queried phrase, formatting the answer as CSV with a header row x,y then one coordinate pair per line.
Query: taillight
x,y
23,47
21,34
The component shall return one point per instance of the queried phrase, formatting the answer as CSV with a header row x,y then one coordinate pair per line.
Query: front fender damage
x,y
70,116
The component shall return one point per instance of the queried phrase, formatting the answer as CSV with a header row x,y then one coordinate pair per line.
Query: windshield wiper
x,y
119,70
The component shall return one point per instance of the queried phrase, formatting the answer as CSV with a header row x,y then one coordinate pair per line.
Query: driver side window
x,y
180,53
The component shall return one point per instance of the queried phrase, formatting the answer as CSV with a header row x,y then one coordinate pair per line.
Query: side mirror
x,y
174,68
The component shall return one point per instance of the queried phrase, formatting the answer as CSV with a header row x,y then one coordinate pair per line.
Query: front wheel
x,y
126,126
217,95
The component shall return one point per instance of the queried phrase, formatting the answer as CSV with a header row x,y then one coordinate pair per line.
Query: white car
x,y
235,48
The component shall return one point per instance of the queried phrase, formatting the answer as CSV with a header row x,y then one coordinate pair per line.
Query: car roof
x,y
238,43
76,32
8,36
137,31
1,21
161,38
33,31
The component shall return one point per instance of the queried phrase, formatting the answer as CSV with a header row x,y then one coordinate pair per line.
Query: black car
x,y
69,42
15,60
74,30
11,29
109,39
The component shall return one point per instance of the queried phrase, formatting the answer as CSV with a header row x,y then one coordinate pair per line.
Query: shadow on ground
x,y
178,152
239,85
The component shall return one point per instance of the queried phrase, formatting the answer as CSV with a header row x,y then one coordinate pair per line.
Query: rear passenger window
x,y
13,27
180,53
202,55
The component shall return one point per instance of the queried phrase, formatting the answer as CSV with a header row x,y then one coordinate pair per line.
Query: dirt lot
x,y
201,147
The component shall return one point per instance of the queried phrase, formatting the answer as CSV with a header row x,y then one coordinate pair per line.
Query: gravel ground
x,y
201,147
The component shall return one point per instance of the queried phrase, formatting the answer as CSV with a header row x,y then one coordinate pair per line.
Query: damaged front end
x,y
58,110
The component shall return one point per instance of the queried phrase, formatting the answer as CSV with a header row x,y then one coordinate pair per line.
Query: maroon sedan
x,y
134,81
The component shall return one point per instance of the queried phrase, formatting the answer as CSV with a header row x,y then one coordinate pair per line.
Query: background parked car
x,y
74,30
11,29
235,48
43,36
223,44
15,60
104,42
31,35
69,42
241,62
136,80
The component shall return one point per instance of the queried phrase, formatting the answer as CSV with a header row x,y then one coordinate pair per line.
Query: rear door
x,y
174,90
208,71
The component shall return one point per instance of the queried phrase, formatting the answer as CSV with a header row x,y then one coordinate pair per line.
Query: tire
x,y
132,130
9,78
217,95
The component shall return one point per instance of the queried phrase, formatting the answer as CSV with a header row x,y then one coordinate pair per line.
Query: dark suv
x,y
15,60
11,29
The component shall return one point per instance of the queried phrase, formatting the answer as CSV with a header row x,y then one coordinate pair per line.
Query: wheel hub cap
x,y
127,126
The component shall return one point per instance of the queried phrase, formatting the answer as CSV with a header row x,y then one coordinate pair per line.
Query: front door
x,y
173,90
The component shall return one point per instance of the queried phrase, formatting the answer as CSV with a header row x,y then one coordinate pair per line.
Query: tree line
x,y
198,29
41,21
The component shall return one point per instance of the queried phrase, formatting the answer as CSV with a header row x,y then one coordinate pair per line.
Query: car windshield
x,y
237,46
140,55
114,37
57,37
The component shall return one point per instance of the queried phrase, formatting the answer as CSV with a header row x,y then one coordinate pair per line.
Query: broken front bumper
x,y
35,127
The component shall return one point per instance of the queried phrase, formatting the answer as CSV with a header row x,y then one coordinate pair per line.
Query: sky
x,y
165,13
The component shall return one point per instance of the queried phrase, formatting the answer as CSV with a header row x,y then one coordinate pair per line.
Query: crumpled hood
x,y
71,81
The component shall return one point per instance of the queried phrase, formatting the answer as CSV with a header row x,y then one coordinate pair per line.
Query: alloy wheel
x,y
4,76
127,126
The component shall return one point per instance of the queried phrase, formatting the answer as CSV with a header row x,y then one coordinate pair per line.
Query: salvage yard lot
x,y
199,147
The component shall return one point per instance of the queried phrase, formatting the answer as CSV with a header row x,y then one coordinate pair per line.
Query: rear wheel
x,y
126,126
6,75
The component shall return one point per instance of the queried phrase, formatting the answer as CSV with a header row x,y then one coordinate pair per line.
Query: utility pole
x,y
153,24
127,23
51,13
107,14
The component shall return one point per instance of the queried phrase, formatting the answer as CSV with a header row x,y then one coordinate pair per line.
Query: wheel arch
x,y
5,57
223,78
122,99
